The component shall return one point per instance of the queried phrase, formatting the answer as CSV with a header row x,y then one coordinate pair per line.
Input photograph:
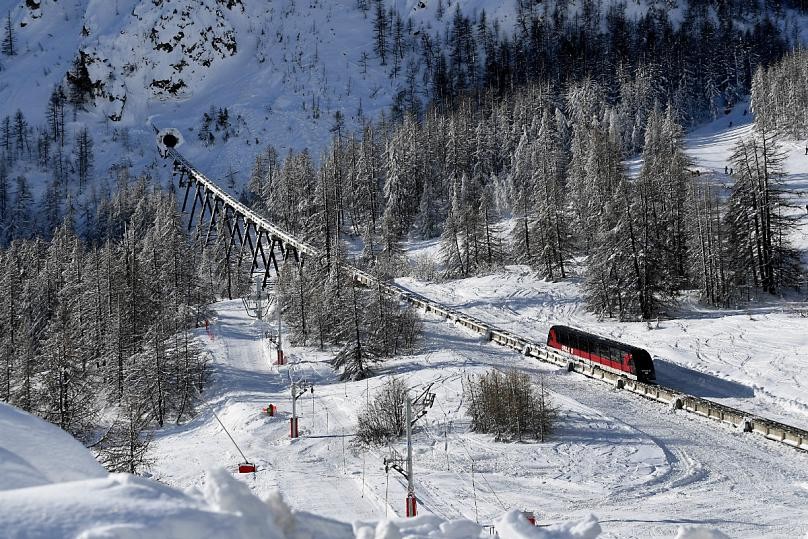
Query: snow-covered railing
x,y
240,208
772,430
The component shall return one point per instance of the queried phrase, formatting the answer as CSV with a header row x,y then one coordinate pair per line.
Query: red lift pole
x,y
395,461
296,393
412,505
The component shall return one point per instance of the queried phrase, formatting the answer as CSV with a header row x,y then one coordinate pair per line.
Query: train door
x,y
552,339
584,347
617,359
628,363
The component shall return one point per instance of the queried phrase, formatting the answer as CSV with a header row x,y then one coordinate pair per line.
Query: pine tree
x,y
55,114
68,398
757,225
9,40
452,241
22,142
21,223
380,25
84,157
81,87
520,194
707,242
548,226
5,206
7,140
125,445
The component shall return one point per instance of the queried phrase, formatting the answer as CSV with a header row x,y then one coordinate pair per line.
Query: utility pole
x,y
259,303
297,391
281,360
423,402
395,461
412,508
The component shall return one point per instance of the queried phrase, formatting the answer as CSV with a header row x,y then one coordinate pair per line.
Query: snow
x,y
644,470
512,524
750,358
295,64
71,496
692,532
25,456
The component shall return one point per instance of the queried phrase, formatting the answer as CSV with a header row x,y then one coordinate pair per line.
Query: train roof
x,y
611,342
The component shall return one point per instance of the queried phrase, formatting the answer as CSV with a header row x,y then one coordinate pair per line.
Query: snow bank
x,y
130,507
34,452
51,486
693,532
514,524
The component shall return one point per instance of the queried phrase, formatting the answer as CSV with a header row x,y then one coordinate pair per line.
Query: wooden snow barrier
x,y
771,430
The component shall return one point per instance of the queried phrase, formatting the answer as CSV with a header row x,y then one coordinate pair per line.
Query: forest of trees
x,y
699,56
780,96
96,334
537,177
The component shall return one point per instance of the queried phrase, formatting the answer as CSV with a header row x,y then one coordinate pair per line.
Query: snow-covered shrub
x,y
425,268
383,418
509,406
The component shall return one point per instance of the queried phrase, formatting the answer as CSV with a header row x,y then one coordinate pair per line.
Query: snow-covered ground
x,y
51,487
643,470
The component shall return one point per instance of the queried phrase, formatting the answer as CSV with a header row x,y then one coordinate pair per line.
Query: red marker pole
x,y
412,505
293,432
412,508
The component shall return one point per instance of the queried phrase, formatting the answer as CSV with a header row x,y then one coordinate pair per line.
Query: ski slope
x,y
244,381
643,470
52,487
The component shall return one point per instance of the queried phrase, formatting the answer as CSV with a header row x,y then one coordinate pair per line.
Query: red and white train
x,y
624,359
